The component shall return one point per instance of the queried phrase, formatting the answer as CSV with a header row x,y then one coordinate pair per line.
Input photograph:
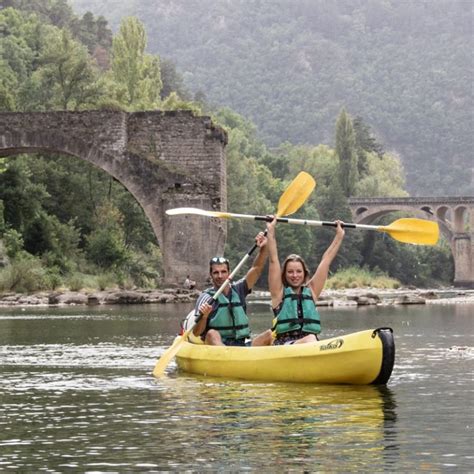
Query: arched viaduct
x,y
165,160
455,216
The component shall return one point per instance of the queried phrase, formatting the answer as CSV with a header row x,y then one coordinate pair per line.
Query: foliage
x,y
346,152
406,67
25,274
356,277
67,77
106,244
135,71
22,198
75,282
383,176
13,242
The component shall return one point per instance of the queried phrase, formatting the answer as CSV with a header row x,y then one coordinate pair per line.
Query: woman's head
x,y
294,271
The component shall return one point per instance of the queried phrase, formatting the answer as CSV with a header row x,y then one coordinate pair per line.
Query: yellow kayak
x,y
360,358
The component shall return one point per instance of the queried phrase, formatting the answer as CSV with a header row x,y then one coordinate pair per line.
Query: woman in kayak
x,y
294,293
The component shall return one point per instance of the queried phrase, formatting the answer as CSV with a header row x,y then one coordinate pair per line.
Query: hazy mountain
x,y
290,65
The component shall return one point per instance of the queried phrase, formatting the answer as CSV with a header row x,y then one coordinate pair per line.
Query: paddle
x,y
290,201
407,230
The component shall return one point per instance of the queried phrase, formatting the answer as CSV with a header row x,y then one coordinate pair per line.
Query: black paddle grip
x,y
333,224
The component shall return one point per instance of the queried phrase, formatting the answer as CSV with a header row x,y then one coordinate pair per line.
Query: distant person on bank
x,y
225,321
294,293
189,284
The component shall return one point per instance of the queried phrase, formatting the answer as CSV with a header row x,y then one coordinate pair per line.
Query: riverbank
x,y
331,298
387,297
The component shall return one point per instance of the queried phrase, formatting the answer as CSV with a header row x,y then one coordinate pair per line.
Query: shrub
x,y
106,280
355,277
53,278
75,282
24,275
13,242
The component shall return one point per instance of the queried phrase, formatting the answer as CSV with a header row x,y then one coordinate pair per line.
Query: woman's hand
x,y
340,232
271,225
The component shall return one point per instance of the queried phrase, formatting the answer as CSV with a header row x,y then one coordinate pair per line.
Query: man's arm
x,y
257,267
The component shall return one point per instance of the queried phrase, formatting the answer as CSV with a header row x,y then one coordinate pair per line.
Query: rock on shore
x,y
56,298
334,298
374,296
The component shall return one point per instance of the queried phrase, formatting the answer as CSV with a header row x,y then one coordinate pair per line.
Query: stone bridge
x,y
164,159
455,216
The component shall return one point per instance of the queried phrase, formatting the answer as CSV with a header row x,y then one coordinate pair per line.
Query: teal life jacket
x,y
230,318
297,312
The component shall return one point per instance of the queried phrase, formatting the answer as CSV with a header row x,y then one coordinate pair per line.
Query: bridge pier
x,y
463,256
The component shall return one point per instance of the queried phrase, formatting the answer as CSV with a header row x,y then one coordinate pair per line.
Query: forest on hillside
x,y
406,68
64,222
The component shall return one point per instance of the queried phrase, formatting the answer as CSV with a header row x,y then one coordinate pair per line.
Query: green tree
x,y
383,176
136,71
22,198
365,143
67,73
346,152
106,244
172,80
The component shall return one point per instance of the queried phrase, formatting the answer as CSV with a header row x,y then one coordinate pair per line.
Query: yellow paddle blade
x,y
168,355
413,231
296,194
200,212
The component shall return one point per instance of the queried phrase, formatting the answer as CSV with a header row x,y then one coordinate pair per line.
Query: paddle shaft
x,y
287,220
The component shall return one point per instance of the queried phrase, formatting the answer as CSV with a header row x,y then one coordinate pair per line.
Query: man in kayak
x,y
225,321
294,294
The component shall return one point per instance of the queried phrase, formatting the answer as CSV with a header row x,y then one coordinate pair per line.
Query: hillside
x,y
405,67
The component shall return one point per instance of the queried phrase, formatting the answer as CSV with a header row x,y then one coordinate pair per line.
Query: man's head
x,y
218,270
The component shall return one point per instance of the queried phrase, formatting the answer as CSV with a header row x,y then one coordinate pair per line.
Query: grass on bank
x,y
28,276
355,277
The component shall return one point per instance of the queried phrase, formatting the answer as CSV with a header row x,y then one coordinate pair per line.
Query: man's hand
x,y
205,309
261,240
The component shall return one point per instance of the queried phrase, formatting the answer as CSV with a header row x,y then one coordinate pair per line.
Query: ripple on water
x,y
70,355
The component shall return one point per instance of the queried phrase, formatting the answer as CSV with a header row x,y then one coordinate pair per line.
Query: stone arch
x,y
461,219
360,210
36,143
162,158
443,213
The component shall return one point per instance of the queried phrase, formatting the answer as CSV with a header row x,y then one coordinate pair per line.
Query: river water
x,y
77,395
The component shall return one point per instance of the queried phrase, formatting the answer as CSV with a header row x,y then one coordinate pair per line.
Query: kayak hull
x,y
361,358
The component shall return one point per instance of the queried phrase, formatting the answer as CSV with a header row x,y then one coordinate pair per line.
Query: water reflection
x,y
301,423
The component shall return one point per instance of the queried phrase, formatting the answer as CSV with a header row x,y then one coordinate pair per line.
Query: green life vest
x,y
230,318
297,313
